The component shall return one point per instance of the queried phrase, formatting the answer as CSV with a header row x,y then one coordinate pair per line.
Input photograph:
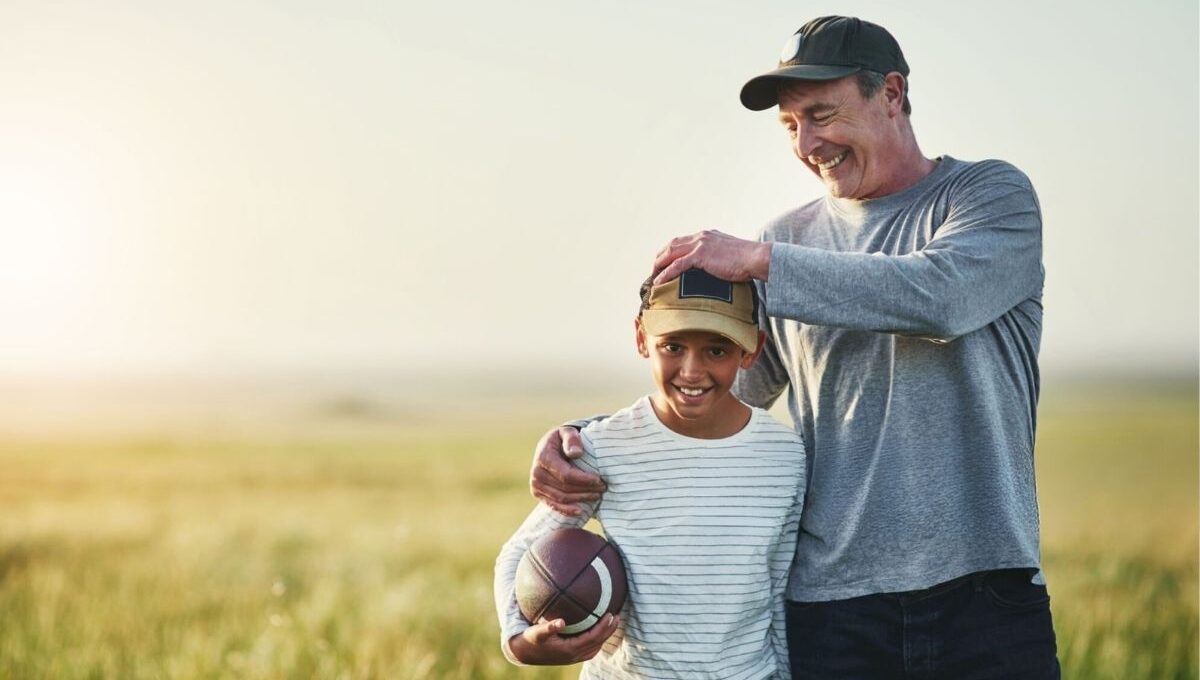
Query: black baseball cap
x,y
827,48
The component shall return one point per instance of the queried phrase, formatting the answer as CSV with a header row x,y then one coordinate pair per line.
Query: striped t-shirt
x,y
707,529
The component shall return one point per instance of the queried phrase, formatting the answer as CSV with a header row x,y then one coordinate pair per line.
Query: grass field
x,y
369,556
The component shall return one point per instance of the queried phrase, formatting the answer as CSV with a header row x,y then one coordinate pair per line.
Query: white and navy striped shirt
x,y
707,529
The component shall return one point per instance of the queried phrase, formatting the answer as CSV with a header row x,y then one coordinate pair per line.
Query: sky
x,y
462,186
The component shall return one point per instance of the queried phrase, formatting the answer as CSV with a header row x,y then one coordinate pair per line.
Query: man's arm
x,y
761,384
983,260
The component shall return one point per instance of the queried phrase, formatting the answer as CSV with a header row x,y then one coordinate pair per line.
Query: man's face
x,y
844,139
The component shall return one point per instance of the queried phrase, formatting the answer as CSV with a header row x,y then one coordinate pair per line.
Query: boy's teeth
x,y
691,392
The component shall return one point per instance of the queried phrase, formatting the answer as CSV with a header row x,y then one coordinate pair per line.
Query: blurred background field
x,y
351,535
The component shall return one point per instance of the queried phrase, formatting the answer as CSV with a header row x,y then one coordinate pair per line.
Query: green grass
x,y
371,557
1117,478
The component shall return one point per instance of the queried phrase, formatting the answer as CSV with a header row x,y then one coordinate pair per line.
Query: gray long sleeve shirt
x,y
908,328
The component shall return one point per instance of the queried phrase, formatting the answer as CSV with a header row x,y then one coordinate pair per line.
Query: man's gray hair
x,y
870,82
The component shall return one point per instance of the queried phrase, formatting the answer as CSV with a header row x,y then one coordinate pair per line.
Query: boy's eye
x,y
718,352
670,347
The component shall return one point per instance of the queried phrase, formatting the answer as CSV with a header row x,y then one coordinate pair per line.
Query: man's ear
x,y
749,358
641,337
894,86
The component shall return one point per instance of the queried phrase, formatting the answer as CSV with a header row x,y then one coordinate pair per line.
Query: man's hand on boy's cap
x,y
541,645
557,483
724,256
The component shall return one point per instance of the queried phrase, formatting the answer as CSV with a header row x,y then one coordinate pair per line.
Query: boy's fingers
x,y
597,634
593,640
543,630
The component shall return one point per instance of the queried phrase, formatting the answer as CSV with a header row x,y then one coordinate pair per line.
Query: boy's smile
x,y
694,371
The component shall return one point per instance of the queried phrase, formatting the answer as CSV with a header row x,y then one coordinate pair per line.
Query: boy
x,y
703,501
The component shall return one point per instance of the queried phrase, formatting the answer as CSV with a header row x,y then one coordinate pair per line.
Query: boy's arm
x,y
541,521
780,567
540,643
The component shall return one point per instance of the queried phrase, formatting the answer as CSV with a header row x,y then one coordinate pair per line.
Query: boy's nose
x,y
692,367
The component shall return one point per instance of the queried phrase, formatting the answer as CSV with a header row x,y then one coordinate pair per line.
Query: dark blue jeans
x,y
991,625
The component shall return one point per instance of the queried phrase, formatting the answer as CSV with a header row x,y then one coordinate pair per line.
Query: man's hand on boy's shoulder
x,y
541,645
557,483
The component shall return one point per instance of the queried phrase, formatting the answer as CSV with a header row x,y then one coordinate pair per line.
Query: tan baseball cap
x,y
699,301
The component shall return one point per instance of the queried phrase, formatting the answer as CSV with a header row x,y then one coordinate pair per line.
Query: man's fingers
x,y
572,443
664,256
552,469
560,477
675,248
557,483
576,481
676,268
550,445
568,510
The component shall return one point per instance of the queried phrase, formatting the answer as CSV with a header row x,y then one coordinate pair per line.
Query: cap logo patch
x,y
697,283
791,49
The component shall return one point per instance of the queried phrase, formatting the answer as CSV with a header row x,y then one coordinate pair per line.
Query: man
x,y
905,318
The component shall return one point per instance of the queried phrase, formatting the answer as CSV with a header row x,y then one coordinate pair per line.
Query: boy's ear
x,y
748,359
641,338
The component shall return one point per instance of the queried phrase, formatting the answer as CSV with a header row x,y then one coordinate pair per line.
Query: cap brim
x,y
762,92
667,321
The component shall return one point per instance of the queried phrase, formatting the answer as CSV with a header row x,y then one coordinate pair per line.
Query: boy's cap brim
x,y
762,92
668,321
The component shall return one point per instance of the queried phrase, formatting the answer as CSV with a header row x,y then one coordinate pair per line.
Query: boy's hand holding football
x,y
541,645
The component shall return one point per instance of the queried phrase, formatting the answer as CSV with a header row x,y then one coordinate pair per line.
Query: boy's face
x,y
694,371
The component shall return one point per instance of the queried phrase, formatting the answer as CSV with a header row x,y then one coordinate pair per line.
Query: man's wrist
x,y
761,267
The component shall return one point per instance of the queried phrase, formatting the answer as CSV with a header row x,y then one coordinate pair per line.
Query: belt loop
x,y
977,580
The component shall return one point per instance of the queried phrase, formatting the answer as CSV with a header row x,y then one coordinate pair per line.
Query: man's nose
x,y
806,142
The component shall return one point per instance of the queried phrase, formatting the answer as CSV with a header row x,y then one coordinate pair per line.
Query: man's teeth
x,y
831,163
691,391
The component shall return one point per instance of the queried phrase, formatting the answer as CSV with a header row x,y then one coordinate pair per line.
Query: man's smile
x,y
829,164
